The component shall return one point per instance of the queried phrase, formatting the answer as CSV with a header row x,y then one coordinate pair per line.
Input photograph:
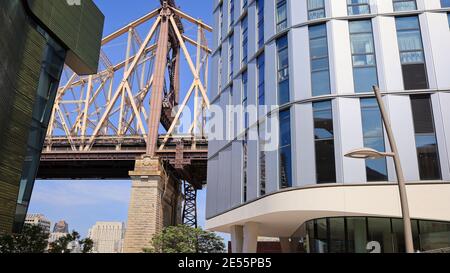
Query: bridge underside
x,y
182,158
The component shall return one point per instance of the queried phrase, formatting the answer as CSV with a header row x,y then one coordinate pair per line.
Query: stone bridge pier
x,y
156,202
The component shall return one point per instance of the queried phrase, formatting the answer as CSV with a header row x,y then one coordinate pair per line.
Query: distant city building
x,y
107,236
38,220
55,236
61,227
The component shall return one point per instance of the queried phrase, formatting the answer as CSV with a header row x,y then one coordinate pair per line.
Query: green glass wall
x,y
79,28
37,37
50,74
21,49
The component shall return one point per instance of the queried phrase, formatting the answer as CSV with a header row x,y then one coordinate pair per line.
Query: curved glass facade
x,y
373,235
337,51
320,60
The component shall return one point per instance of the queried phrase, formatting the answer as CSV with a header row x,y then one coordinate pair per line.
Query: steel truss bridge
x,y
102,123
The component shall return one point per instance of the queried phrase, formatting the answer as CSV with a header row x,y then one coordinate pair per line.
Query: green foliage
x,y
33,239
87,244
62,244
184,239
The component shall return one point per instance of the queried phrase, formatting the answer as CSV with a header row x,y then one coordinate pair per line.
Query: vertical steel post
x,y
409,243
190,205
158,82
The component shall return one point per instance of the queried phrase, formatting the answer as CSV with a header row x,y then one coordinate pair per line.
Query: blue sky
x,y
82,203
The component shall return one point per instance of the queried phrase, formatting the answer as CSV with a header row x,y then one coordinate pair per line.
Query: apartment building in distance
x,y
108,237
38,220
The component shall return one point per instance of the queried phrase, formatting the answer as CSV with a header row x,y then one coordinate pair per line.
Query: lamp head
x,y
367,153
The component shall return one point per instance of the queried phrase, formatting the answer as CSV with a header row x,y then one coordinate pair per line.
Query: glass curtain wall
x,y
353,235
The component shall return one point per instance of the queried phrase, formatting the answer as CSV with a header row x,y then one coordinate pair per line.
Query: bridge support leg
x,y
190,206
155,204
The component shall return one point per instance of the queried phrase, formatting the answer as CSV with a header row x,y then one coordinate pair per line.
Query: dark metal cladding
x,y
78,27
21,50
36,36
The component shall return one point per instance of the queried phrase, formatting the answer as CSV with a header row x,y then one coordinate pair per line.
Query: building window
x,y
283,70
324,142
372,124
281,15
448,19
426,141
363,56
244,26
245,168
231,6
404,5
231,57
262,162
411,53
260,7
356,7
245,99
231,117
445,3
220,23
337,235
320,74
220,68
285,150
316,9
261,82
352,234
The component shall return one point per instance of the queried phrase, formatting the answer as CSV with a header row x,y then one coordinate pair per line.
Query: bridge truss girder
x,y
131,97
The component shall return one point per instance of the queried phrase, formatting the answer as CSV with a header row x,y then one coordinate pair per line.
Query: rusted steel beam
x,y
158,83
176,78
134,24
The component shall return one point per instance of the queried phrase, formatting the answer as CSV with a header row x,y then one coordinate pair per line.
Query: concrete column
x,y
237,239
250,238
286,246
153,205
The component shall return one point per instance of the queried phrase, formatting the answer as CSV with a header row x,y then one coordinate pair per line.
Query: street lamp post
x,y
370,153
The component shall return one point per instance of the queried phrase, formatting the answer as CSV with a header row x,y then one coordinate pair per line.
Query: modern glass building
x,y
313,63
38,37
